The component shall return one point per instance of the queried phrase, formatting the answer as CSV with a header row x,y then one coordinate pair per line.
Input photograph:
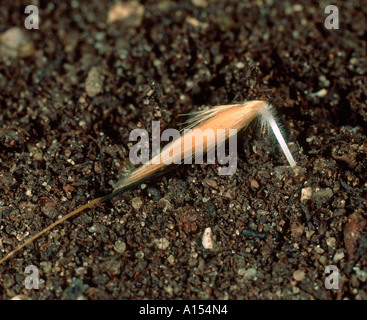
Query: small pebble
x,y
241,271
323,260
298,275
200,3
211,183
15,43
81,271
338,256
319,250
323,194
331,242
19,297
171,259
249,273
306,193
46,266
168,290
207,239
361,275
320,94
161,244
254,184
325,81
130,12
309,233
120,246
139,255
136,203
92,229
94,82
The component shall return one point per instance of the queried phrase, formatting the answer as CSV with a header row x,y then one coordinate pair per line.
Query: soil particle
x,y
94,82
353,231
15,43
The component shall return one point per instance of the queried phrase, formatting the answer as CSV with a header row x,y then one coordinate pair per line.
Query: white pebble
x,y
207,239
338,256
161,243
299,275
306,193
320,94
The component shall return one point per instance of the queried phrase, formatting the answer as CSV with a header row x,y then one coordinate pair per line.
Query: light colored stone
x,y
338,256
94,82
306,193
130,12
120,246
207,239
14,43
298,275
136,203
161,243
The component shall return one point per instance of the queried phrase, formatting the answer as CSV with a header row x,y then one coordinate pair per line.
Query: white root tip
x,y
267,119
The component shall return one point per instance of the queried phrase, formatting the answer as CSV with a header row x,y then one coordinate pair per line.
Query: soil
x,y
70,99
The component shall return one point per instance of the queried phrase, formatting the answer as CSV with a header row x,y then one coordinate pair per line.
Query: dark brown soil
x,y
274,230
